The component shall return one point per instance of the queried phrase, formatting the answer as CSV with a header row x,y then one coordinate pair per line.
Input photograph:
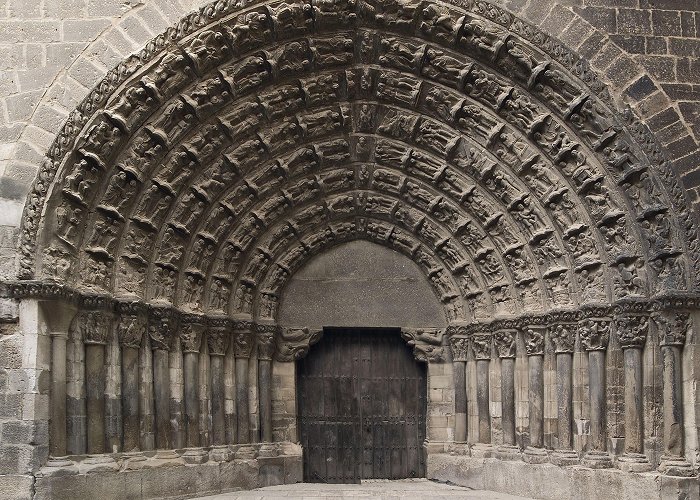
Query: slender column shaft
x,y
564,399
161,398
230,397
460,380
634,438
95,392
177,425
536,400
57,438
243,418
130,398
596,382
76,413
673,407
508,400
217,400
482,400
265,387
191,369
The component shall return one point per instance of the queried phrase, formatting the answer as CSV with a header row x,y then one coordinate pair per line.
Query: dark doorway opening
x,y
362,407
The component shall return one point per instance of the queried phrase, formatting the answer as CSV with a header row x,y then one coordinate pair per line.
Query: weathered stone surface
x,y
267,164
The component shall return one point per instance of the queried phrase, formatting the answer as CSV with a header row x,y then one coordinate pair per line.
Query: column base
x,y
563,458
267,450
134,460
634,462
164,458
220,453
98,463
195,456
508,452
676,466
483,450
59,466
534,455
458,448
244,452
597,460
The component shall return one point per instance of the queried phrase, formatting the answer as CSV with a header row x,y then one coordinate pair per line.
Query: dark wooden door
x,y
362,405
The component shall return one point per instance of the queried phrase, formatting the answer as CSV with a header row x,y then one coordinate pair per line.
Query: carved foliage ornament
x,y
632,330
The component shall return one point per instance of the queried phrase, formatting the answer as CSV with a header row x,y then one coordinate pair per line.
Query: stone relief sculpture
x,y
252,141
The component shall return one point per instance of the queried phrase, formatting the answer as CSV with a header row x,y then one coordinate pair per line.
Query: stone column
x,y
130,331
595,335
632,333
57,420
95,325
505,348
217,340
76,413
266,349
673,330
161,330
242,347
534,345
459,347
563,337
481,345
192,329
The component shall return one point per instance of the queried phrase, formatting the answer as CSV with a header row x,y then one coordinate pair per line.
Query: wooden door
x,y
362,404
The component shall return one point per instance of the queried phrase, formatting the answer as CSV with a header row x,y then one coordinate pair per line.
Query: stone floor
x,y
419,489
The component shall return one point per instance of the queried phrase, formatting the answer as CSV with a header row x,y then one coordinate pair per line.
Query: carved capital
x,y
243,339
672,327
481,344
460,347
505,343
94,326
595,333
132,323
218,332
217,341
131,330
426,344
632,330
534,340
265,336
294,343
162,322
563,337
192,328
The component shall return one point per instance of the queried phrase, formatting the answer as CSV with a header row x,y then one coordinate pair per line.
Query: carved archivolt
x,y
249,139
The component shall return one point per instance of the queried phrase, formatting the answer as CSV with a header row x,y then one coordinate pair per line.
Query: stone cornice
x,y
50,290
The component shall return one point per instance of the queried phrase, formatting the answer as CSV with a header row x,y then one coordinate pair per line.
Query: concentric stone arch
x,y
458,108
187,189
